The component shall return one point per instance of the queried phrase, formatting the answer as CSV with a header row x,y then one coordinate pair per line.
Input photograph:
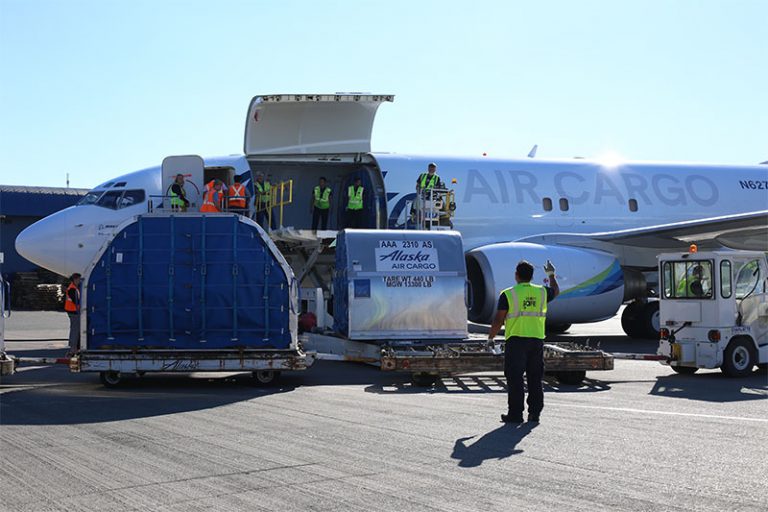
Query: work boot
x,y
533,419
508,418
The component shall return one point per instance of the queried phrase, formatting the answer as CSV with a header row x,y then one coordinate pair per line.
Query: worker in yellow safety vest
x,y
238,197
428,180
355,204
523,311
179,201
72,307
263,191
212,201
692,286
321,204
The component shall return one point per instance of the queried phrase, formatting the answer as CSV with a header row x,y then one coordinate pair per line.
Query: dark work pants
x,y
524,355
321,216
354,219
262,219
74,332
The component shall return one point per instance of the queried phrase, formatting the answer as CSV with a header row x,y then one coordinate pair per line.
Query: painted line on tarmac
x,y
664,413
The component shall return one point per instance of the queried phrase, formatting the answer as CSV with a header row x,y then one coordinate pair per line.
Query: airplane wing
x,y
742,231
745,231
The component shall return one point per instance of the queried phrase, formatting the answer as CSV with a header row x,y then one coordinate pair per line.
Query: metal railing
x,y
280,195
434,208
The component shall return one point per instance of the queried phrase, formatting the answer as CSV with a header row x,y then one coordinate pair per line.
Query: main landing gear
x,y
641,320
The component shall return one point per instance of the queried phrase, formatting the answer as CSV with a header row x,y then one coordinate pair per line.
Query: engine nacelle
x,y
591,282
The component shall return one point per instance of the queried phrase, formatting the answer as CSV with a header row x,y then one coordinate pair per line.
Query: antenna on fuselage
x,y
532,152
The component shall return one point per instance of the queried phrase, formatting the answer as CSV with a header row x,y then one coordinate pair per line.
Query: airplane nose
x,y
45,244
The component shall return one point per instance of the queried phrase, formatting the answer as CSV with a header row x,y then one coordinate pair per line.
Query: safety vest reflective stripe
x,y
526,316
355,198
237,196
428,184
176,199
69,305
262,191
322,200
211,202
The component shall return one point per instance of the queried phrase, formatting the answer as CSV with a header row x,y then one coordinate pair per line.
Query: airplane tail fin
x,y
532,152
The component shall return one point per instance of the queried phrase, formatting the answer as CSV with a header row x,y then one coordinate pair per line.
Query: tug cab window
x,y
747,279
687,279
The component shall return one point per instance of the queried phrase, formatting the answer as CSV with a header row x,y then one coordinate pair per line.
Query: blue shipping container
x,y
190,282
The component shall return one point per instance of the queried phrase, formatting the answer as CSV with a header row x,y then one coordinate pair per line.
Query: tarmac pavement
x,y
345,436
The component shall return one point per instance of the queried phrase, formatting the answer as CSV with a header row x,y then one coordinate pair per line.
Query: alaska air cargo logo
x,y
406,256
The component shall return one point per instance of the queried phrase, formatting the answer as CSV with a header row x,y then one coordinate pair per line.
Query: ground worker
x,y
321,204
178,195
428,180
72,307
355,204
694,285
263,191
212,201
238,197
523,311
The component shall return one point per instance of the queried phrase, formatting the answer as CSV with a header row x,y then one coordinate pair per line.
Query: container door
x,y
311,123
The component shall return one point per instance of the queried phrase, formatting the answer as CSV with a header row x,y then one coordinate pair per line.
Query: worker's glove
x,y
549,268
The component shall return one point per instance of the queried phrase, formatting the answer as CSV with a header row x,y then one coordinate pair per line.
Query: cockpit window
x,y
130,198
117,199
120,184
91,197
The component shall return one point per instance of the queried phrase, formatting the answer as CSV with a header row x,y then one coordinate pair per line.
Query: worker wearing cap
x,y
523,311
355,204
693,285
213,198
72,307
429,180
321,204
238,196
178,195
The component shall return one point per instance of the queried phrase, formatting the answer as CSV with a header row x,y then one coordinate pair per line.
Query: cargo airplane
x,y
602,223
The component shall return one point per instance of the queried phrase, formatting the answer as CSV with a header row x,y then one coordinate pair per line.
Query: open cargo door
x,y
311,123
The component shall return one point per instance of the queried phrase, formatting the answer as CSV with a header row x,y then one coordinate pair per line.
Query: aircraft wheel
x,y
629,319
738,359
650,321
111,379
684,370
571,378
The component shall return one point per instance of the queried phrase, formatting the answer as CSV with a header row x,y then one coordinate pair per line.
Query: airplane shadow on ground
x,y
712,387
497,444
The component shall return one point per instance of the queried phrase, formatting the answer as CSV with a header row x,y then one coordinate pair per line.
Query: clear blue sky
x,y
98,88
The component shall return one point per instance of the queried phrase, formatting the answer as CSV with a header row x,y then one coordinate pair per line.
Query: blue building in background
x,y
21,206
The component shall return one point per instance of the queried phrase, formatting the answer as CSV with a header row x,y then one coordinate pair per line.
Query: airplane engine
x,y
591,282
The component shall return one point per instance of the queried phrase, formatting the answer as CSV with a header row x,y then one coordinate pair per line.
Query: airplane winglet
x,y
532,152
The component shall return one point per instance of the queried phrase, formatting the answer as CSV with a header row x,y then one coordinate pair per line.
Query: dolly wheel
x,y
423,379
111,379
572,378
265,377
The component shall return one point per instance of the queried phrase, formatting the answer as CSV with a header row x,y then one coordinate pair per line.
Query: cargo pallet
x,y
426,362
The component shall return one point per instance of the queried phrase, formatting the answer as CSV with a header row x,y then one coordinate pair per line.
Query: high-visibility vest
x,y
211,201
428,181
263,192
177,201
355,198
322,200
527,313
237,196
71,306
